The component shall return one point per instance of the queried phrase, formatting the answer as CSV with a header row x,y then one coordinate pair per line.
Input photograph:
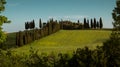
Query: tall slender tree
x,y
88,24
101,23
33,24
92,25
95,23
85,23
78,22
25,25
40,23
98,25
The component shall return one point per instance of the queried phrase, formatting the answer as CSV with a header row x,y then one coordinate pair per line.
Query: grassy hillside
x,y
67,41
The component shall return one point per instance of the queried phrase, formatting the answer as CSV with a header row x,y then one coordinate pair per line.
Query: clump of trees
x,y
31,34
94,24
69,25
87,24
30,25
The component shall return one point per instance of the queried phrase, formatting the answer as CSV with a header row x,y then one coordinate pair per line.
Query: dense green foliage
x,y
30,25
82,57
3,19
111,47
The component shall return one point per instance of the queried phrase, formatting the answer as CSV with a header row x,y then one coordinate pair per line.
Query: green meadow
x,y
66,41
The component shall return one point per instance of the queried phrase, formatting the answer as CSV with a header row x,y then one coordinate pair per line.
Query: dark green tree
x,y
49,28
78,22
26,25
19,38
3,20
40,23
85,23
88,24
98,25
101,23
111,47
94,23
33,24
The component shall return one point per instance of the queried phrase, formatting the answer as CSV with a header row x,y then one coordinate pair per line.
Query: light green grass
x,y
66,41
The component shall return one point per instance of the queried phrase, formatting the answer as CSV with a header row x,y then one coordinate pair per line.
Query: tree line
x,y
87,24
28,36
31,33
94,24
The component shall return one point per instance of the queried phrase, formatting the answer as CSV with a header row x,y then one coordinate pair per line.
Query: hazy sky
x,y
20,11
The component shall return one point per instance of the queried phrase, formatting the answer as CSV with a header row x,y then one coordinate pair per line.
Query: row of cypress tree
x,y
28,36
93,24
87,24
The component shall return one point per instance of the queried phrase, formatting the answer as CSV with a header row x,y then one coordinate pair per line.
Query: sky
x,y
21,11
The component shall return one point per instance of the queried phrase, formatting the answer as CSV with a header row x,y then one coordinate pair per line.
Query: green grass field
x,y
66,41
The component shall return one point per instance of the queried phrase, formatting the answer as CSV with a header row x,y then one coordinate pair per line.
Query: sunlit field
x,y
66,41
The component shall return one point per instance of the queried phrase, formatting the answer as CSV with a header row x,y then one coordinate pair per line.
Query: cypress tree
x,y
101,23
33,24
40,24
92,25
42,32
78,22
88,24
27,25
49,28
20,38
85,23
24,40
98,25
95,23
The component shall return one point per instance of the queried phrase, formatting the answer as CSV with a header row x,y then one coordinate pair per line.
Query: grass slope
x,y
66,41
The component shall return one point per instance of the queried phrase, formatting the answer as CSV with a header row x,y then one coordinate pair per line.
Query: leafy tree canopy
x,y
3,19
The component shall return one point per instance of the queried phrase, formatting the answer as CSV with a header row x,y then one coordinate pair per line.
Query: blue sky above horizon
x,y
20,11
